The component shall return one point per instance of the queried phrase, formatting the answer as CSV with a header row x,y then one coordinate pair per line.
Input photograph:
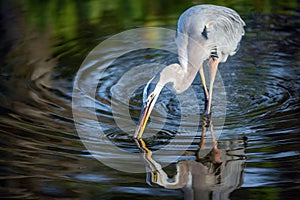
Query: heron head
x,y
150,95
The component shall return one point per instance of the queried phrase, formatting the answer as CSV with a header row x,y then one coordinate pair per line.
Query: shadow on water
x,y
42,157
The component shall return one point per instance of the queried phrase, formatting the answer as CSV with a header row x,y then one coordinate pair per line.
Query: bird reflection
x,y
212,176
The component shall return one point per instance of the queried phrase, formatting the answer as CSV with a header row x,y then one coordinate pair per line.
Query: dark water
x,y
43,156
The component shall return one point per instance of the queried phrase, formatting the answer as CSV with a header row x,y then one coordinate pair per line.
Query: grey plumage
x,y
224,33
204,32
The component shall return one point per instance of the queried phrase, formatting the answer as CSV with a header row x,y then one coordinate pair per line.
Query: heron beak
x,y
145,113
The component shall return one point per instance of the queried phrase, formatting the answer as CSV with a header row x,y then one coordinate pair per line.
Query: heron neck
x,y
180,77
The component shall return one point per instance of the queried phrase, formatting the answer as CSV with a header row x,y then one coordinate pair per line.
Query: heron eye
x,y
151,95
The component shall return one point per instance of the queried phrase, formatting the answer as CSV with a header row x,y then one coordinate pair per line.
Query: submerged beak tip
x,y
145,113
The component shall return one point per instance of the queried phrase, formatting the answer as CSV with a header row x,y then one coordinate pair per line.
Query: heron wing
x,y
216,29
225,31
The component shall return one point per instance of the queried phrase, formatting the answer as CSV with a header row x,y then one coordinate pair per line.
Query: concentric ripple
x,y
43,157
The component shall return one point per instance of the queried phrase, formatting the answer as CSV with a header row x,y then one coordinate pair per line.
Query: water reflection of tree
x,y
75,27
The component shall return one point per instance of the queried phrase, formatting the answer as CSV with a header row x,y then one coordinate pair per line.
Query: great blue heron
x,y
204,32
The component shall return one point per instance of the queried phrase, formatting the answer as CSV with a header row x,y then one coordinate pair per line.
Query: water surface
x,y
43,157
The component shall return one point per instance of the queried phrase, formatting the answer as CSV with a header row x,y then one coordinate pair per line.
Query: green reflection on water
x,y
68,18
76,27
265,193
